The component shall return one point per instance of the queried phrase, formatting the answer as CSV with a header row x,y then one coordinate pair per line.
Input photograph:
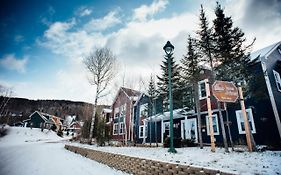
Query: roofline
x,y
272,49
39,115
120,89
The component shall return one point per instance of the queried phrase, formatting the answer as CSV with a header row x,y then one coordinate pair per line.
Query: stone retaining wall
x,y
140,166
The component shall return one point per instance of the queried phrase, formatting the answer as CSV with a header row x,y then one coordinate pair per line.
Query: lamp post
x,y
168,48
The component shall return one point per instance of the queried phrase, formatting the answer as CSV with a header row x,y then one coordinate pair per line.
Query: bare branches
x,y
102,66
6,94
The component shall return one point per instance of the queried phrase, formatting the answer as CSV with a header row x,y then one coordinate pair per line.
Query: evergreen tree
x,y
163,84
191,75
229,49
232,55
205,41
152,95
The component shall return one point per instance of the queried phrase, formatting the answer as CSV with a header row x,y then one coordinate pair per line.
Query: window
x,y
215,124
144,110
241,123
123,110
115,129
279,50
116,113
122,128
202,89
167,129
142,131
277,80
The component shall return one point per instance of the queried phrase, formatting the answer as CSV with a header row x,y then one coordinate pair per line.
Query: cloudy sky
x,y
43,43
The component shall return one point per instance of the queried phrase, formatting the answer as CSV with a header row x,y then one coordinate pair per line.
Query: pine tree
x,y
191,75
205,41
152,94
163,84
229,49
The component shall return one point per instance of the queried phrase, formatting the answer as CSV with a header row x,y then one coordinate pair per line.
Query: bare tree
x,y
102,66
5,94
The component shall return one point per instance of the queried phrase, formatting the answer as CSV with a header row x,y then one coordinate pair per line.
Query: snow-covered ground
x,y
267,162
30,152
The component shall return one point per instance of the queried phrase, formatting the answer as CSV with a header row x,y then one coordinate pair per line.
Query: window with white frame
x,y
215,124
142,131
167,128
202,89
122,128
116,113
277,80
241,123
123,110
144,110
115,128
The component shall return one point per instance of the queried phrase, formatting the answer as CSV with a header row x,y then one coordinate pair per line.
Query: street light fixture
x,y
169,48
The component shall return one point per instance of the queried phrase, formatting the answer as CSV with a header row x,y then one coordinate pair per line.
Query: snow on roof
x,y
106,110
177,113
263,52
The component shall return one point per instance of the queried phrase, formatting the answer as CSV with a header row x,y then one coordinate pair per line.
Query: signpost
x,y
225,91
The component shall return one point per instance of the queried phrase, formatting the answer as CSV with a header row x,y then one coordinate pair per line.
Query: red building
x,y
122,115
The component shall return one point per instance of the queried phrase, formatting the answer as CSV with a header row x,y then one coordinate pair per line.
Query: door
x,y
189,129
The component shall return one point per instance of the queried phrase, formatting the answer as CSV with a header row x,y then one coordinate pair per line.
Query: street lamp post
x,y
168,48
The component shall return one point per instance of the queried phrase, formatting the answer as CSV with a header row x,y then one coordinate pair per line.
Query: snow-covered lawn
x,y
267,162
30,152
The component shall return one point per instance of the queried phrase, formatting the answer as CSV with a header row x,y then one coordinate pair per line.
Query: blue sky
x,y
43,43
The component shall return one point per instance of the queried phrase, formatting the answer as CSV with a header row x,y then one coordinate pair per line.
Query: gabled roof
x,y
255,56
40,114
139,98
130,93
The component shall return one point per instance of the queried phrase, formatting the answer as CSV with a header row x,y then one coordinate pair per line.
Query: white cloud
x,y
12,63
144,11
138,44
85,12
106,22
62,39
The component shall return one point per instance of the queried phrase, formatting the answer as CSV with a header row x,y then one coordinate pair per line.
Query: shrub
x,y
188,143
3,130
176,141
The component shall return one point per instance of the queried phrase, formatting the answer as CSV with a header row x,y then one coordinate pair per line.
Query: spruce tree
x,y
163,84
191,75
205,41
232,55
152,95
151,105
230,51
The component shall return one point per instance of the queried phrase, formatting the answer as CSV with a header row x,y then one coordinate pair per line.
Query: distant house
x,y
36,119
122,114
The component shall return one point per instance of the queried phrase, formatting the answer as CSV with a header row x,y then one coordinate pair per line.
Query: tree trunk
x,y
93,119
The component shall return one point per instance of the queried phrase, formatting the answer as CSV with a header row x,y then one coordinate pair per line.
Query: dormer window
x,y
202,89
277,80
279,50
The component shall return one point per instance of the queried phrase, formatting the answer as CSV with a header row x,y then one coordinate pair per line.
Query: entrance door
x,y
189,129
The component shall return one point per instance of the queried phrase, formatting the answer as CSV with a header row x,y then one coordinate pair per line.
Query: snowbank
x,y
239,163
20,135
